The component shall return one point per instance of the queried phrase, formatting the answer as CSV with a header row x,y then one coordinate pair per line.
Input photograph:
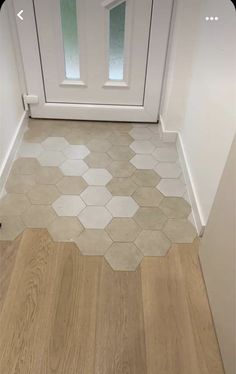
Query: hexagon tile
x,y
115,189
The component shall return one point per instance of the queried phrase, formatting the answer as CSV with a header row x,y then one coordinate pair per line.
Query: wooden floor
x,y
65,313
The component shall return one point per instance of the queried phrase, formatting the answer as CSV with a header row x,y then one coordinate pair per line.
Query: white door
x,y
94,59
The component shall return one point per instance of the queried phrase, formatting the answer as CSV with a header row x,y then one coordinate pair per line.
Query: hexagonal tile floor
x,y
115,189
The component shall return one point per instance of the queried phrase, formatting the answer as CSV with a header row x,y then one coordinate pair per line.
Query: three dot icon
x,y
211,18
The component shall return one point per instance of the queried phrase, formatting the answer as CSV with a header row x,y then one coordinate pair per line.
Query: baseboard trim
x,y
167,136
12,151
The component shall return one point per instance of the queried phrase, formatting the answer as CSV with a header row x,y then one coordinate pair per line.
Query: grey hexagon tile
x,y
65,229
71,185
96,195
95,217
51,158
147,196
93,242
175,207
74,167
121,169
168,169
142,146
155,128
123,229
97,177
68,205
118,138
169,154
179,231
150,218
123,256
153,243
171,187
141,133
146,178
38,216
143,161
54,143
122,186
43,194
11,227
13,204
122,206
99,145
48,175
20,183
25,166
76,152
98,160
30,150
121,153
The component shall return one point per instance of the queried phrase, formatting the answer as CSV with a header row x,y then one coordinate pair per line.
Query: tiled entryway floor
x,y
115,189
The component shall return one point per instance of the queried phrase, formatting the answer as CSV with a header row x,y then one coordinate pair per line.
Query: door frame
x,y
157,51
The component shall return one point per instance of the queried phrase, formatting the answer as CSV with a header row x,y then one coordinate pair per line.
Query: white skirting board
x,y
12,151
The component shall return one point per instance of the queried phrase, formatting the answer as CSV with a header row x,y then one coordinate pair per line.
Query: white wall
x,y
11,108
199,93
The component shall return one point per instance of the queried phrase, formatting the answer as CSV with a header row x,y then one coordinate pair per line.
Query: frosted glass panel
x,y
116,44
70,38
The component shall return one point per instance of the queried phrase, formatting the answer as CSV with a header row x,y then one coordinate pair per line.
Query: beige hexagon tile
x,y
144,161
51,158
99,145
122,186
11,227
122,206
65,229
93,242
68,205
43,194
123,229
123,256
150,218
20,183
48,175
171,187
180,231
142,146
32,150
118,138
59,128
71,185
121,153
146,178
147,196
74,167
141,133
13,204
96,195
169,154
78,137
98,160
36,135
76,152
95,217
168,169
38,216
175,207
25,166
153,243
120,126
121,169
97,177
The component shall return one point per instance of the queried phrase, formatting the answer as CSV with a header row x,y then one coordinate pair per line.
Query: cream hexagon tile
x,y
121,169
32,150
20,183
153,243
65,229
171,187
141,133
122,186
68,205
150,218
97,177
38,216
25,166
119,138
48,175
93,242
169,154
43,194
74,167
123,229
146,178
122,206
71,185
95,217
96,195
51,158
142,146
180,231
168,169
121,153
76,152
98,160
99,145
191,219
123,256
13,204
143,161
54,143
147,196
11,227
175,207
